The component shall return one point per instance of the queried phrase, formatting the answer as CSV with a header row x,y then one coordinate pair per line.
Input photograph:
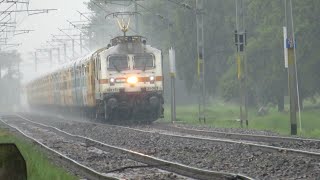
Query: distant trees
x,y
9,79
167,23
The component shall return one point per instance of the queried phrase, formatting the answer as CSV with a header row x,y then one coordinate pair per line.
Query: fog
x,y
167,24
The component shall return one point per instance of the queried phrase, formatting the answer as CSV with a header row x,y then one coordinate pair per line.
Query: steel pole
x,y
73,50
65,52
59,56
172,62
81,45
35,61
292,91
136,17
292,86
201,62
50,56
173,99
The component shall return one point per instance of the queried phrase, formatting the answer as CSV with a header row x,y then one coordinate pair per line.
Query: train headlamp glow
x,y
112,81
132,80
152,79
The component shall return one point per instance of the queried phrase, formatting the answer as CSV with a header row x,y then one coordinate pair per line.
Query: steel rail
x,y
253,146
174,167
239,136
70,163
223,139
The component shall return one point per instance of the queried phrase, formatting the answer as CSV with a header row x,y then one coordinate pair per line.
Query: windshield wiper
x,y
115,66
145,65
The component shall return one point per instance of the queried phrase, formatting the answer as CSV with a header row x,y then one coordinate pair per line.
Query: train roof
x,y
127,39
81,60
67,65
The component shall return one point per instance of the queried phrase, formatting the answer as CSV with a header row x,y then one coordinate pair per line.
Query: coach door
x,y
90,82
97,77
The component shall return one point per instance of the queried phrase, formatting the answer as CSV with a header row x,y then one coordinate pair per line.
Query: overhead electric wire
x,y
73,39
7,9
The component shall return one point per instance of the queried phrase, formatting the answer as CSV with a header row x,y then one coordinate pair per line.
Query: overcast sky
x,y
47,24
44,25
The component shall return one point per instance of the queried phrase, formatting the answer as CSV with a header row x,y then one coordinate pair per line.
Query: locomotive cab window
x,y
143,61
118,62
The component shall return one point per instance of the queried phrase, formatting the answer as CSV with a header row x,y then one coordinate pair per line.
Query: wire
x,y
158,15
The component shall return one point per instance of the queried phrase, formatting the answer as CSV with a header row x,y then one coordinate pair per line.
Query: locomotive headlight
x,y
132,80
112,81
152,79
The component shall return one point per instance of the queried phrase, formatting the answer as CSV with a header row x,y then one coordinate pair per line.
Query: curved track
x,y
184,170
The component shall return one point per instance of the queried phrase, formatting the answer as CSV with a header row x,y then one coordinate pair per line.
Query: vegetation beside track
x,y
38,165
225,115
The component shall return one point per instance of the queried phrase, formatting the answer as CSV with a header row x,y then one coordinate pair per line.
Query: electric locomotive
x,y
123,81
130,80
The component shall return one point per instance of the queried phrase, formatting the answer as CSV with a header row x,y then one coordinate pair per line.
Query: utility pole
x,y
50,56
136,17
240,42
201,62
49,51
73,51
65,52
81,45
59,56
172,62
290,58
292,87
35,61
55,48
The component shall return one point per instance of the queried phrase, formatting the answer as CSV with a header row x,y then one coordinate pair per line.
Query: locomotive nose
x,y
154,101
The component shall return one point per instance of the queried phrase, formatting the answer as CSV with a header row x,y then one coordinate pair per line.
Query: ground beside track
x,y
39,164
226,115
207,155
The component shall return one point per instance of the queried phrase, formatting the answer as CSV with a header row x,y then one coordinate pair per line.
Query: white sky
x,y
44,25
47,24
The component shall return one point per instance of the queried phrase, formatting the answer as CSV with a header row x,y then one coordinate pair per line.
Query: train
x,y
122,81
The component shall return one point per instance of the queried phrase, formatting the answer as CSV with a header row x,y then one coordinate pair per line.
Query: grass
x,y
225,115
38,166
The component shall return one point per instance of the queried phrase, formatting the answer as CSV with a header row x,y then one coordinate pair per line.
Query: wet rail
x,y
255,159
233,138
237,136
181,169
63,159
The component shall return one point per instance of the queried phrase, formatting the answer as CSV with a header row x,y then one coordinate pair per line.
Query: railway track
x,y
312,145
262,142
40,132
260,161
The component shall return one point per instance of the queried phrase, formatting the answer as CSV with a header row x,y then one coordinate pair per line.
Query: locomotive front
x,y
131,80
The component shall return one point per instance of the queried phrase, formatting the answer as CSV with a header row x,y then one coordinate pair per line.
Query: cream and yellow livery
x,y
123,81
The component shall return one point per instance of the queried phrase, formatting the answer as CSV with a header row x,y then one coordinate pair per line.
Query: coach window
x,y
95,67
143,61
